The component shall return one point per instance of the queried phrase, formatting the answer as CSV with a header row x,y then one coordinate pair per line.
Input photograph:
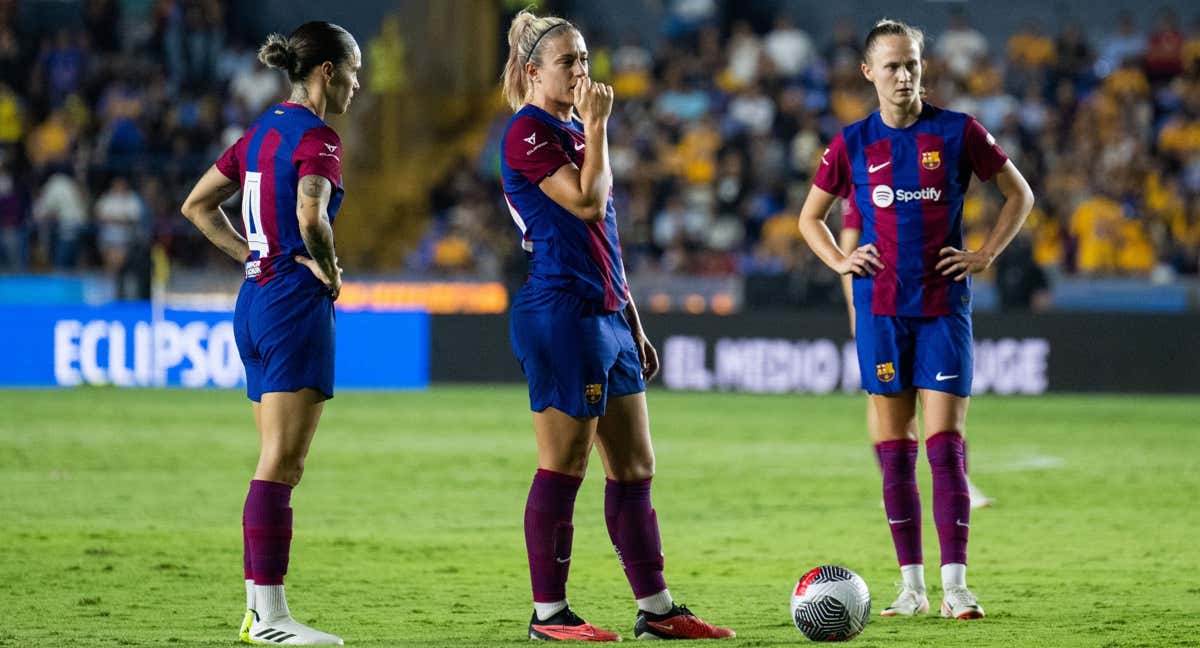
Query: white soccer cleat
x,y
909,603
287,632
978,499
960,603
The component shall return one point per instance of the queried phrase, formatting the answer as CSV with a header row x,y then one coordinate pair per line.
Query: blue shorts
x,y
896,353
285,334
573,353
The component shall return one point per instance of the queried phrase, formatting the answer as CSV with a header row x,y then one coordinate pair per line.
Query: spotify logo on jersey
x,y
882,196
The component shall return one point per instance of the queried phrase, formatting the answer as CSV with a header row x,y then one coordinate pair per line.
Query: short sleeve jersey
x,y
565,253
906,187
287,143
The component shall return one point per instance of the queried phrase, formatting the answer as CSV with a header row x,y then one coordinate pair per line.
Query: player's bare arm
x,y
1018,200
863,261
203,209
312,205
584,191
848,242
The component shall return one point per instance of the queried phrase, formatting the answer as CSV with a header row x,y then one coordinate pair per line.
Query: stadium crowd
x,y
716,131
105,122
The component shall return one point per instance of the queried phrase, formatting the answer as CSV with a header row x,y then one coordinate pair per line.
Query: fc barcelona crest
x,y
885,372
593,392
931,160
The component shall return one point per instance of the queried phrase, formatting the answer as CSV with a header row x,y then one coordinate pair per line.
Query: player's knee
x,y
292,473
636,469
281,468
574,463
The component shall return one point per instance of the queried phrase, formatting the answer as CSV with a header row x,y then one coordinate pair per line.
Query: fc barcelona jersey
x,y
287,143
907,187
565,253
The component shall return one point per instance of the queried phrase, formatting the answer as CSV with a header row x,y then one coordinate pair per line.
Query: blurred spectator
x,y
789,49
60,68
1164,48
388,71
14,221
745,50
1125,44
961,46
52,141
1020,281
255,85
1073,56
12,126
119,214
61,218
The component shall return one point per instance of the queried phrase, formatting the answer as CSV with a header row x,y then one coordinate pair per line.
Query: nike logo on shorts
x,y
944,377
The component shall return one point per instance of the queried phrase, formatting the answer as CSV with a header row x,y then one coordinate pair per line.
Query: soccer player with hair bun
x,y
288,168
906,169
576,333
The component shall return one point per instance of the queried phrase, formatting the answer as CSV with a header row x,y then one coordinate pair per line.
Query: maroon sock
x,y
901,499
633,529
951,500
246,568
548,533
268,530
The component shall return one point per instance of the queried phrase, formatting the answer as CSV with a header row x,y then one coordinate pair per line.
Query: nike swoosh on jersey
x,y
875,167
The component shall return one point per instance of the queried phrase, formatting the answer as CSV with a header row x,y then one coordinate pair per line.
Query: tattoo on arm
x,y
312,190
317,233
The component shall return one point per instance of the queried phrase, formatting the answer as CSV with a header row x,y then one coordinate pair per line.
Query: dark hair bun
x,y
276,52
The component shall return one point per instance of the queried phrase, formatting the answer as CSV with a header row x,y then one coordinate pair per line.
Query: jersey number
x,y
252,214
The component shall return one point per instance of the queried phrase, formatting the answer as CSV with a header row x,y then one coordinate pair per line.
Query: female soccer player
x,y
848,240
288,166
577,335
907,167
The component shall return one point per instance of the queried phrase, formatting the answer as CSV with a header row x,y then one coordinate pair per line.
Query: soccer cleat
x,y
909,603
677,623
567,626
960,603
978,499
285,632
244,633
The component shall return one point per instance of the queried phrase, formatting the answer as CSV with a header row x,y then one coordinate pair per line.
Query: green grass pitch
x,y
120,518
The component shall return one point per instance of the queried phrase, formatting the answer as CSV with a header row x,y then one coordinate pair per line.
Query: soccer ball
x,y
831,603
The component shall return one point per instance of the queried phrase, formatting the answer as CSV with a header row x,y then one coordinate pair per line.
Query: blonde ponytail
x,y
524,41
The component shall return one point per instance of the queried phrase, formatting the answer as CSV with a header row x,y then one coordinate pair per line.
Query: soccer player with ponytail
x,y
906,168
288,168
577,335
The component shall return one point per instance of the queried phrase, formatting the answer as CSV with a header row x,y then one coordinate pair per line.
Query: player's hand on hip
x,y
594,101
961,263
649,357
862,262
334,285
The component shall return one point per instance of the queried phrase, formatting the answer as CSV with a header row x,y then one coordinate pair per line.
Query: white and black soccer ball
x,y
831,603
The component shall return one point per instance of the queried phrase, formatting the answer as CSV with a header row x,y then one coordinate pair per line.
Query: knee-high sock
x,y
267,530
548,533
247,570
633,529
901,499
951,500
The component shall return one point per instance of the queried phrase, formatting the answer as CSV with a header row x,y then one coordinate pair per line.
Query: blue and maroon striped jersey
x,y
565,253
287,143
906,187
